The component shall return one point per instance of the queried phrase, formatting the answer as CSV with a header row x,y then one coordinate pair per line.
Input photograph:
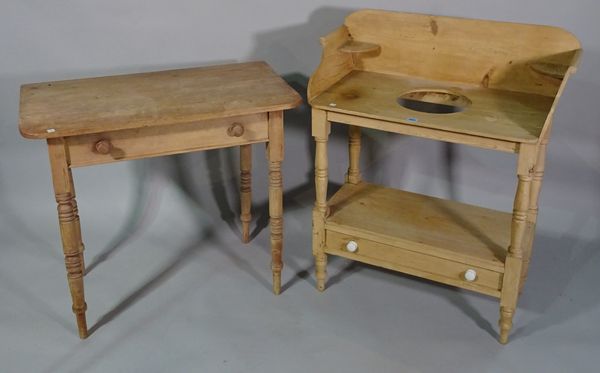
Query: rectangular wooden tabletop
x,y
93,105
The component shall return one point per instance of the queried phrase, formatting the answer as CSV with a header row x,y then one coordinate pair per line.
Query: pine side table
x,y
492,85
101,120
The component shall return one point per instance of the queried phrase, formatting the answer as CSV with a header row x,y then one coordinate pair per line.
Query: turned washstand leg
x,y
77,224
514,259
353,176
320,130
536,186
69,228
275,155
246,190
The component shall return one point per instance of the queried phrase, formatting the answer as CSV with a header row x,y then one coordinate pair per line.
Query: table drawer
x,y
414,263
169,139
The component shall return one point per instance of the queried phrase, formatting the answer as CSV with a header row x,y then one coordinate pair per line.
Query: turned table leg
x,y
353,176
320,130
534,196
77,224
275,155
69,228
246,190
514,259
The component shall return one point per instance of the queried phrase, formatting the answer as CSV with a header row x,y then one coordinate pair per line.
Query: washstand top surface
x,y
486,78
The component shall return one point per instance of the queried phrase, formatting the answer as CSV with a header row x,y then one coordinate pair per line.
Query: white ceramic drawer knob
x,y
470,275
352,246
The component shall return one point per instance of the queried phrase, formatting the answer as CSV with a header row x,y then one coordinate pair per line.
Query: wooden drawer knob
x,y
352,246
470,275
235,130
103,146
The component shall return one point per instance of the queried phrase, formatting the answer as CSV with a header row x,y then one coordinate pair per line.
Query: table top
x,y
492,113
111,103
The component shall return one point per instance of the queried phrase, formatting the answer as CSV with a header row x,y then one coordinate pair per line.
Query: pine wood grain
x,y
416,263
84,106
70,229
428,133
275,157
446,229
334,65
246,190
321,128
515,262
354,46
482,52
164,140
495,114
353,175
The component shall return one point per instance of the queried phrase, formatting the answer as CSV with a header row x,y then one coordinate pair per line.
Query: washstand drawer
x,y
414,263
169,139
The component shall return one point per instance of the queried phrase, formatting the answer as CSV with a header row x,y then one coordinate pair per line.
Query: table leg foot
x,y
321,270
81,323
276,282
505,323
245,233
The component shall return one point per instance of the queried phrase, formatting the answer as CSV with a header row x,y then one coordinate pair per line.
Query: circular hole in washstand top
x,y
434,101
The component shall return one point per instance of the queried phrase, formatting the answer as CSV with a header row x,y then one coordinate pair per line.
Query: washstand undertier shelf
x,y
416,234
